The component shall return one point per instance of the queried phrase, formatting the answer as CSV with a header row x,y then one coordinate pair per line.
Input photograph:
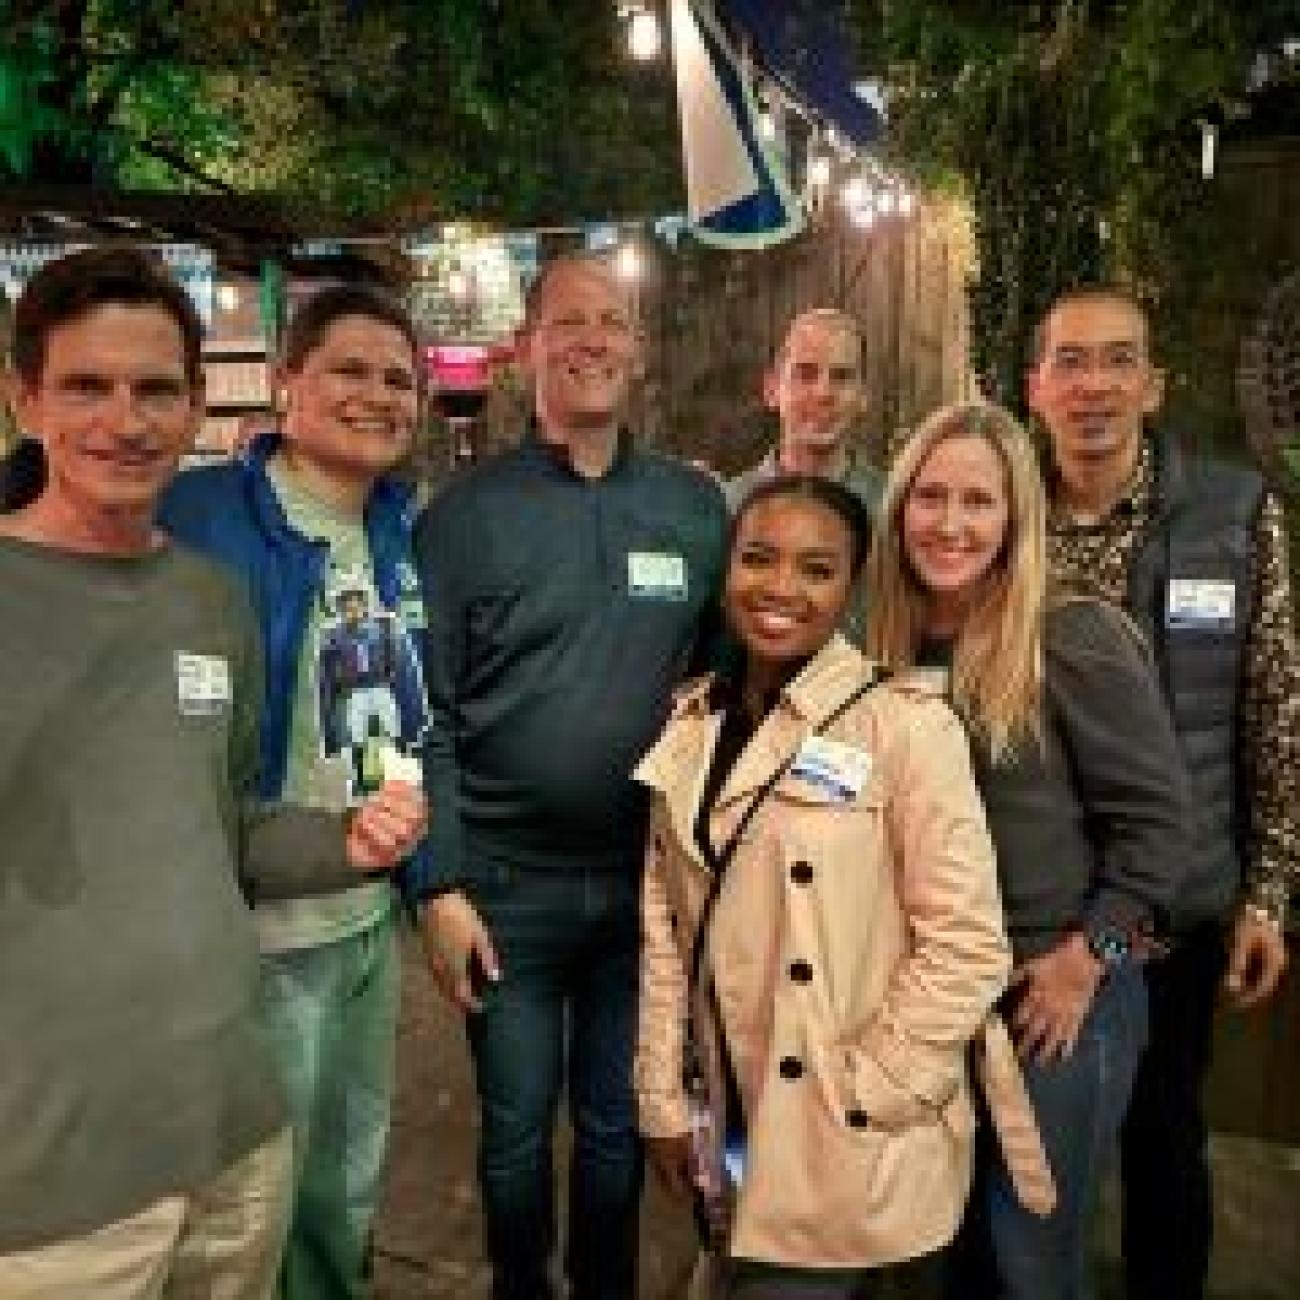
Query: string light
x,y
627,262
643,37
458,284
819,171
856,192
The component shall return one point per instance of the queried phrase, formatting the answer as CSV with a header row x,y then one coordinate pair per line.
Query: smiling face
x,y
815,386
114,410
954,523
789,577
1094,383
580,349
352,404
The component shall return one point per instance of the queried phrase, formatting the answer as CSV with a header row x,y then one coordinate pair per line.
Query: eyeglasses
x,y
1110,360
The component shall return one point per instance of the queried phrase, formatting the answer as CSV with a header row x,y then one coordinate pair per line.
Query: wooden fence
x,y
714,319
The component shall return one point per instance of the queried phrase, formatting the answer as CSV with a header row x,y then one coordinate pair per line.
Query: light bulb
x,y
627,262
643,36
856,192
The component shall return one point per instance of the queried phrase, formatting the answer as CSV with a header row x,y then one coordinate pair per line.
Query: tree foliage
x,y
524,112
1072,127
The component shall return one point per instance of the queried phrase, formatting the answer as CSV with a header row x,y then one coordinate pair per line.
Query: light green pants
x,y
331,1016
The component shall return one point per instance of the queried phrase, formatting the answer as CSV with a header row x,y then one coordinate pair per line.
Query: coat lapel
x,y
823,685
678,764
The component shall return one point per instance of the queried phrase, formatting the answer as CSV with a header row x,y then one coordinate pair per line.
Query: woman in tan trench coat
x,y
851,950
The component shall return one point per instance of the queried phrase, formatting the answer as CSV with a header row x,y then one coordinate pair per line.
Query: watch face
x,y
1109,946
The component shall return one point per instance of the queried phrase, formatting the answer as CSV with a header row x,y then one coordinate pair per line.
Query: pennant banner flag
x,y
737,196
804,45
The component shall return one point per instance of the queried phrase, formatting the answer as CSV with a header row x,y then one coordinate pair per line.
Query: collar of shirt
x,y
770,465
1134,502
559,456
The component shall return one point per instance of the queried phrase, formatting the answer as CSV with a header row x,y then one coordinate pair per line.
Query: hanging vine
x,y
1073,131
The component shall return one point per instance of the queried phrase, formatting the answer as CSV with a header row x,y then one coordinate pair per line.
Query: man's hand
x,y
454,935
1058,989
1256,959
386,827
670,1157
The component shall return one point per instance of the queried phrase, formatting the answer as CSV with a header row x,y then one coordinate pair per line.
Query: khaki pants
x,y
220,1242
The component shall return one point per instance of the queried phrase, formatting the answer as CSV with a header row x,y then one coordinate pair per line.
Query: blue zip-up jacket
x,y
231,512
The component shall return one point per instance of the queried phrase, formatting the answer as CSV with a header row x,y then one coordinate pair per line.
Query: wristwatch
x,y
1109,946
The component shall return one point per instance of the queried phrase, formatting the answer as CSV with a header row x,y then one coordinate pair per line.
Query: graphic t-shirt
x,y
359,693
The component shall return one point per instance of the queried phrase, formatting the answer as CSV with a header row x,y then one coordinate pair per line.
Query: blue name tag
x,y
834,768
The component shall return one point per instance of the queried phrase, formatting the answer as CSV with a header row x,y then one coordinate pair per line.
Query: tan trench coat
x,y
855,950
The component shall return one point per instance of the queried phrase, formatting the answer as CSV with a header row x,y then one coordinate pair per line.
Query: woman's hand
x,y
1057,990
671,1159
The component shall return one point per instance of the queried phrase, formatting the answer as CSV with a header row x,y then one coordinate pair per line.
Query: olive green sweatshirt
x,y
130,1063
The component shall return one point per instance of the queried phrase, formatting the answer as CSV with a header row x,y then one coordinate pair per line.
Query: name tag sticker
x,y
836,768
656,575
202,684
397,766
1201,603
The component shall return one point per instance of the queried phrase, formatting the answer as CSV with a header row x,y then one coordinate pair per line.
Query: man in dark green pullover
x,y
565,583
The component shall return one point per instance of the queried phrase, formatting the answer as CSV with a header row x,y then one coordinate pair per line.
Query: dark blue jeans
x,y
565,1006
1005,1251
1167,1202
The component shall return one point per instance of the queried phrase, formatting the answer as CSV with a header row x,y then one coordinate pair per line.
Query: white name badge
x,y
656,575
202,684
405,768
1204,603
839,769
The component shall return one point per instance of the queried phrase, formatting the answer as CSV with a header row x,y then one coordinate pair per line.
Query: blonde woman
x,y
1083,785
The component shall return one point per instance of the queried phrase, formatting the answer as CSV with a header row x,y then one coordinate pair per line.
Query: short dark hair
x,y
1091,292
581,258
312,321
121,275
825,492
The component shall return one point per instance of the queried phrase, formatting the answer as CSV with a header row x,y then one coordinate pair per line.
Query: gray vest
x,y
1190,586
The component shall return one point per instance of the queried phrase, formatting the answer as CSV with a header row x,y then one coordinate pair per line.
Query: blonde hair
x,y
997,661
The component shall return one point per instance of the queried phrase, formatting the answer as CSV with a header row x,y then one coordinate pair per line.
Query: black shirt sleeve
x,y
440,566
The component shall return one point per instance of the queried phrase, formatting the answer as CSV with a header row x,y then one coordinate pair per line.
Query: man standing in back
x,y
814,386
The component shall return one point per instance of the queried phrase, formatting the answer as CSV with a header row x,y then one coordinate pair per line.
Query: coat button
x,y
800,972
801,872
857,1118
791,1067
